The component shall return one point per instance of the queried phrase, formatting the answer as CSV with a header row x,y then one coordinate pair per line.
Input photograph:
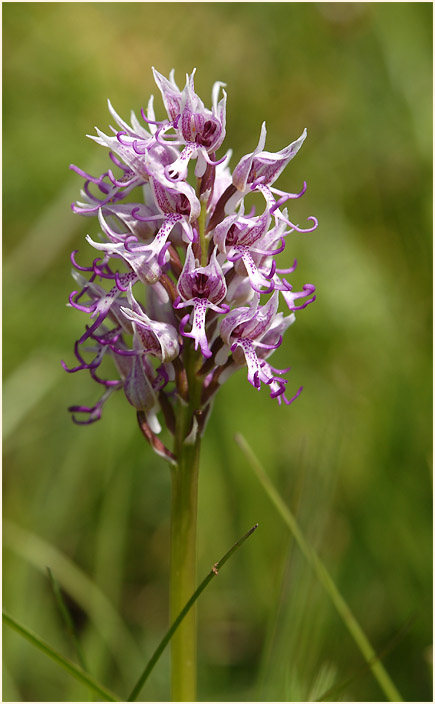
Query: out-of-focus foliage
x,y
351,456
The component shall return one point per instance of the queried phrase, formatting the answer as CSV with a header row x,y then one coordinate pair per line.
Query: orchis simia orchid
x,y
183,246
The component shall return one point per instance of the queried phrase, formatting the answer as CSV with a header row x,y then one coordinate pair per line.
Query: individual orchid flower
x,y
173,197
201,130
264,167
188,115
158,339
206,128
237,237
177,203
203,287
265,347
259,170
244,328
144,267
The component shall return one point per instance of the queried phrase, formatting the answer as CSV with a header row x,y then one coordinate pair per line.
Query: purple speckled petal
x,y
221,230
157,338
184,286
174,196
257,326
251,361
244,167
255,276
177,171
171,94
269,166
238,317
198,326
206,282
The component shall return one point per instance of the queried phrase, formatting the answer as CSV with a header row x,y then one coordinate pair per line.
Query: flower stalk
x,y
183,570
184,512
200,267
183,536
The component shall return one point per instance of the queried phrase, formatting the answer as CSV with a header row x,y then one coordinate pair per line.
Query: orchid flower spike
x,y
176,236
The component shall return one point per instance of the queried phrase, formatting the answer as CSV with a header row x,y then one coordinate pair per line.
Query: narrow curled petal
x,y
133,160
136,130
291,297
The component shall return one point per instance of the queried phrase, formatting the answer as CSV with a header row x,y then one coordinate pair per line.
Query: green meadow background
x,y
352,457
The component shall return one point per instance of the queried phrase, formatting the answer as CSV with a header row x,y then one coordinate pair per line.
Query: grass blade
x,y
361,640
167,637
67,619
69,666
39,553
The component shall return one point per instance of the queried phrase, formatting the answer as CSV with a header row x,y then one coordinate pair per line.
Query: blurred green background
x,y
352,457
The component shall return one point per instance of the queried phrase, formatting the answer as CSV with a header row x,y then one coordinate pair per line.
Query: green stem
x,y
183,571
170,633
360,638
183,537
184,517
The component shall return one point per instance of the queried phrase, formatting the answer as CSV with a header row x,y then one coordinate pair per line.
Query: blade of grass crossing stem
x,y
167,637
67,619
69,666
379,671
